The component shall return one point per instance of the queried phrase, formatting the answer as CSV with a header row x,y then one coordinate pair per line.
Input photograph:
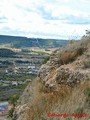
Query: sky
x,y
62,19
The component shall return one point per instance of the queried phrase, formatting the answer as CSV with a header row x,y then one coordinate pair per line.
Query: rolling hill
x,y
20,42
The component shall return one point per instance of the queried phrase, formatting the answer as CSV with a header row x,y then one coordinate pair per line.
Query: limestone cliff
x,y
67,68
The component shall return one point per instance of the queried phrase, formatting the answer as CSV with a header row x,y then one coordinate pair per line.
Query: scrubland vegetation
x,y
64,100
62,86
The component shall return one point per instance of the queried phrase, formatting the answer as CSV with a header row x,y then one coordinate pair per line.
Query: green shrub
x,y
79,110
69,118
46,60
87,64
13,99
87,92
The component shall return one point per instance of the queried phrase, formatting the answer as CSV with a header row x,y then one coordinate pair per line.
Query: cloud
x,y
38,18
3,19
66,14
85,0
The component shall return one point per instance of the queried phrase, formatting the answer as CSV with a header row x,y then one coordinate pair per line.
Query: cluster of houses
x,y
30,69
13,83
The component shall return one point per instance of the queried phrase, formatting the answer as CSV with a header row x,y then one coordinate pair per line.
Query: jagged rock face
x,y
66,65
64,75
70,77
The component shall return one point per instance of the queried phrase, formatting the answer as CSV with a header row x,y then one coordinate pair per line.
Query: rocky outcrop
x,y
66,66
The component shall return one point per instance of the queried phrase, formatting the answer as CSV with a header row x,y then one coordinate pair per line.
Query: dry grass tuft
x,y
44,100
69,56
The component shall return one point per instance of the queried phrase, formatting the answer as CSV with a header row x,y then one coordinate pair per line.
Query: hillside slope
x,y
20,42
62,86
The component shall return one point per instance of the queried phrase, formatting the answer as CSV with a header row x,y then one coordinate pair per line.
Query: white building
x,y
14,83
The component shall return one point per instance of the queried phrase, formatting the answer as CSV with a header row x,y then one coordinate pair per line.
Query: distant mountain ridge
x,y
19,42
